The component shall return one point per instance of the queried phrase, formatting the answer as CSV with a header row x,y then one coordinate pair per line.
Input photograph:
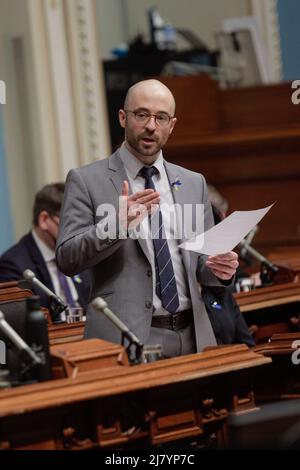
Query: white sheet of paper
x,y
227,234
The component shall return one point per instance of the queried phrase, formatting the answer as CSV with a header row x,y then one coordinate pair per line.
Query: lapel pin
x,y
176,184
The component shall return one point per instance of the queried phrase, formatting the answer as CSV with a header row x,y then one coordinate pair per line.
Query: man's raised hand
x,y
137,206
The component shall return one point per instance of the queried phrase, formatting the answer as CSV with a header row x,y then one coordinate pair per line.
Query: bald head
x,y
150,88
148,119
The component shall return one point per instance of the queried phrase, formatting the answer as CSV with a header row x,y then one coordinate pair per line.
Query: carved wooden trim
x,y
87,81
268,297
267,15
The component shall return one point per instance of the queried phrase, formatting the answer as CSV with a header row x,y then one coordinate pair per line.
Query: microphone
x,y
248,240
57,305
16,339
99,304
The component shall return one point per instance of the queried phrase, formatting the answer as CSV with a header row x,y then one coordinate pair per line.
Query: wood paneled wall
x,y
246,142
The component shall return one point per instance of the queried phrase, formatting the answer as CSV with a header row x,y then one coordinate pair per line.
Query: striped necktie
x,y
65,288
166,288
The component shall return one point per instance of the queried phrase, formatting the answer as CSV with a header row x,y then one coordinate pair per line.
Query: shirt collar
x,y
47,253
133,165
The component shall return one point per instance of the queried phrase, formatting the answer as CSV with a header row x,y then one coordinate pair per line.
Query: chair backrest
x,y
273,426
15,314
32,328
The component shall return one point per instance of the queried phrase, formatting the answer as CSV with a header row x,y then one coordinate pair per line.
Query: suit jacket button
x,y
149,272
148,304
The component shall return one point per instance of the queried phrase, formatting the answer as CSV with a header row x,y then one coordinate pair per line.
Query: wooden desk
x,y
270,310
10,291
166,401
73,358
58,333
281,380
65,332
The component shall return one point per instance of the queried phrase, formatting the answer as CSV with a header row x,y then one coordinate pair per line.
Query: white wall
x,y
122,20
48,101
17,130
112,24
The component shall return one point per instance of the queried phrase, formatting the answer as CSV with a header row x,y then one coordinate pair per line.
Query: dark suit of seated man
x,y
36,251
224,312
225,316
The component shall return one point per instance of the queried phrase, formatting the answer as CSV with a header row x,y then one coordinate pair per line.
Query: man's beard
x,y
138,145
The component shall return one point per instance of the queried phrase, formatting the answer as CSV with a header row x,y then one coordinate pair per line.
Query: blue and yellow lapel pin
x,y
176,184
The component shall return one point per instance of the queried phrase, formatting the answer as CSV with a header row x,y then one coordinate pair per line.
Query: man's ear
x,y
42,220
174,120
122,118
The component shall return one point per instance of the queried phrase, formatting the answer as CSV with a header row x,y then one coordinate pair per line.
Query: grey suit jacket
x,y
120,270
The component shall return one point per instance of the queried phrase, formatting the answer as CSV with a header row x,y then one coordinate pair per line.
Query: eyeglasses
x,y
161,119
54,218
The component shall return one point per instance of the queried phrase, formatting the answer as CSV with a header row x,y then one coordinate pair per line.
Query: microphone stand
x,y
57,306
28,357
136,357
268,269
126,334
28,365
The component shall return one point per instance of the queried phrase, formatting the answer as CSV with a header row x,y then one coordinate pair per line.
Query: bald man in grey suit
x,y
123,268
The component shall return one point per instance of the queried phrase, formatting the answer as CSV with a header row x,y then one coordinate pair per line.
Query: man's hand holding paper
x,y
223,266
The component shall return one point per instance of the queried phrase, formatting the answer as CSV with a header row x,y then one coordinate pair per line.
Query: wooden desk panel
x,y
10,291
270,310
65,332
252,157
281,381
258,107
150,404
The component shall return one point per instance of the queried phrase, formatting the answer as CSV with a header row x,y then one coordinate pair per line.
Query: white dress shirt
x,y
133,166
49,257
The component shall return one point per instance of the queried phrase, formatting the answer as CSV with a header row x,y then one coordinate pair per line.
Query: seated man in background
x,y
36,251
224,313
218,203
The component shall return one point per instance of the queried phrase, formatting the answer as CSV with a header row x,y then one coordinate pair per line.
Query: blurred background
x,y
65,66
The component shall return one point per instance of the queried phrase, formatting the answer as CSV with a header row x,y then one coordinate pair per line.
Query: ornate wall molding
x,y
69,101
267,15
87,80
61,80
